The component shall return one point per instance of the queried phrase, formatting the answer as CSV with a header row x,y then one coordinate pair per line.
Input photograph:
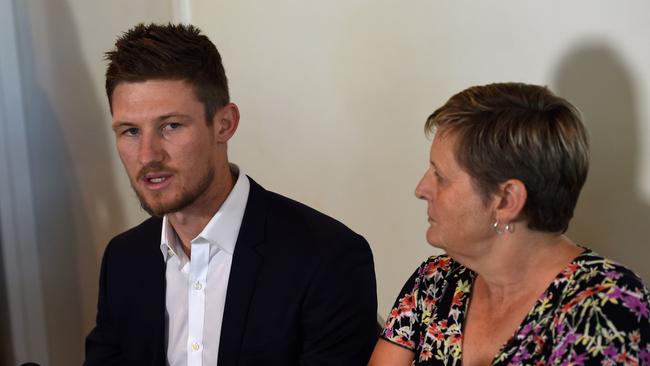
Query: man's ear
x,y
225,122
512,196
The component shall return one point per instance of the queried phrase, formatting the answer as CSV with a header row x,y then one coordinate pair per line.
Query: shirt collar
x,y
223,228
170,244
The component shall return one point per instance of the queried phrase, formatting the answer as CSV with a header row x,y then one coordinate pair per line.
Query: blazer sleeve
x,y
339,320
102,344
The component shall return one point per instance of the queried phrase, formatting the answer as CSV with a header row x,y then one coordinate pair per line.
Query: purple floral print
x,y
595,312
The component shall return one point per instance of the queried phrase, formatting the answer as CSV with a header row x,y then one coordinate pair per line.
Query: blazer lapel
x,y
152,304
158,321
246,262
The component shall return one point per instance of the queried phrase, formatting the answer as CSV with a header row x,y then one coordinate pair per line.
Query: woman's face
x,y
459,221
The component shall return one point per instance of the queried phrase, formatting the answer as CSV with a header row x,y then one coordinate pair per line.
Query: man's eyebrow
x,y
119,124
159,118
171,115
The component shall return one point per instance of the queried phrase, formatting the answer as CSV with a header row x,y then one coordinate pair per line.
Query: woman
x,y
507,164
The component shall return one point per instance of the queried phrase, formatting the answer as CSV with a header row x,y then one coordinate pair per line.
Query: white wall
x,y
334,95
333,98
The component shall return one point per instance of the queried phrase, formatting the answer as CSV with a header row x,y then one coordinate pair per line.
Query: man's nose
x,y
151,149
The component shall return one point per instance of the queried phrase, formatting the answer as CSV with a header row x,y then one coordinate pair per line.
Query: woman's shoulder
x,y
604,307
591,268
442,260
595,281
438,272
437,266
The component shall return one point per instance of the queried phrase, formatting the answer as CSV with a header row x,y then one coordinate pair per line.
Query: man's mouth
x,y
156,181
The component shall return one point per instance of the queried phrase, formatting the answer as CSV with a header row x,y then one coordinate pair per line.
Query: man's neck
x,y
189,222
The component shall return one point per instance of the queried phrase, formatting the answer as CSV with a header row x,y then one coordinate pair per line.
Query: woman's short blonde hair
x,y
520,131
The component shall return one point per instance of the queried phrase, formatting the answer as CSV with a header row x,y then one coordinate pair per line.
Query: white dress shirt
x,y
196,287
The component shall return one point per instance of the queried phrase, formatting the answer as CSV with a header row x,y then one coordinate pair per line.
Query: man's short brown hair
x,y
169,52
521,131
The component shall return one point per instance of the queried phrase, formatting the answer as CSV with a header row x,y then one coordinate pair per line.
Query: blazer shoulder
x,y
146,232
279,209
300,220
295,210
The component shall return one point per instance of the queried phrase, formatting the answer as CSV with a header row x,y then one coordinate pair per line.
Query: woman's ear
x,y
225,122
512,196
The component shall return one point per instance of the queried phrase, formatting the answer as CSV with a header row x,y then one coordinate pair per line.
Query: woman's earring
x,y
496,228
509,227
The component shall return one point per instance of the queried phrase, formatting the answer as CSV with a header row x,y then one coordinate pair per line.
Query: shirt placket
x,y
196,301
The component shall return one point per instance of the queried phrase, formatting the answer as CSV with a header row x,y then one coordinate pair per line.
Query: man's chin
x,y
155,207
160,209
156,211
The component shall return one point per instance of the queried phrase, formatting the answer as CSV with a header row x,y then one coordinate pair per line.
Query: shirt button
x,y
196,346
198,285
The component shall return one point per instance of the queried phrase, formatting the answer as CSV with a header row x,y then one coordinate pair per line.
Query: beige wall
x,y
333,98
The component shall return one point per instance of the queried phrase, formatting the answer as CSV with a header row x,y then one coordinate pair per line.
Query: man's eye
x,y
131,131
172,126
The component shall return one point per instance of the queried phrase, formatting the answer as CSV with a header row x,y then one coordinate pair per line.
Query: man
x,y
224,272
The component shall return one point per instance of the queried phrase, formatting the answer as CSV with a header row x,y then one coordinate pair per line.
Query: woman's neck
x,y
520,262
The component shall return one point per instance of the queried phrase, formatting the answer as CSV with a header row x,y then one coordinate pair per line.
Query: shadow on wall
x,y
610,217
71,172
6,353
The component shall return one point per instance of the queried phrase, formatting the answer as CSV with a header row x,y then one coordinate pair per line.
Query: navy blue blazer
x,y
301,292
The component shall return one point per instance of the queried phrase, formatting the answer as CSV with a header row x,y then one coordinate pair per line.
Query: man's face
x,y
169,151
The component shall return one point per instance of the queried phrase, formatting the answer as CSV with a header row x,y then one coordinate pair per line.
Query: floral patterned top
x,y
595,312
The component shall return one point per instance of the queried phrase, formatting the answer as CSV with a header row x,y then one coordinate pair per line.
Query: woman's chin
x,y
435,242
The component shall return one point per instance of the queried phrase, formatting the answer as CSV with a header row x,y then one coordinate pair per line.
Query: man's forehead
x,y
152,90
153,99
